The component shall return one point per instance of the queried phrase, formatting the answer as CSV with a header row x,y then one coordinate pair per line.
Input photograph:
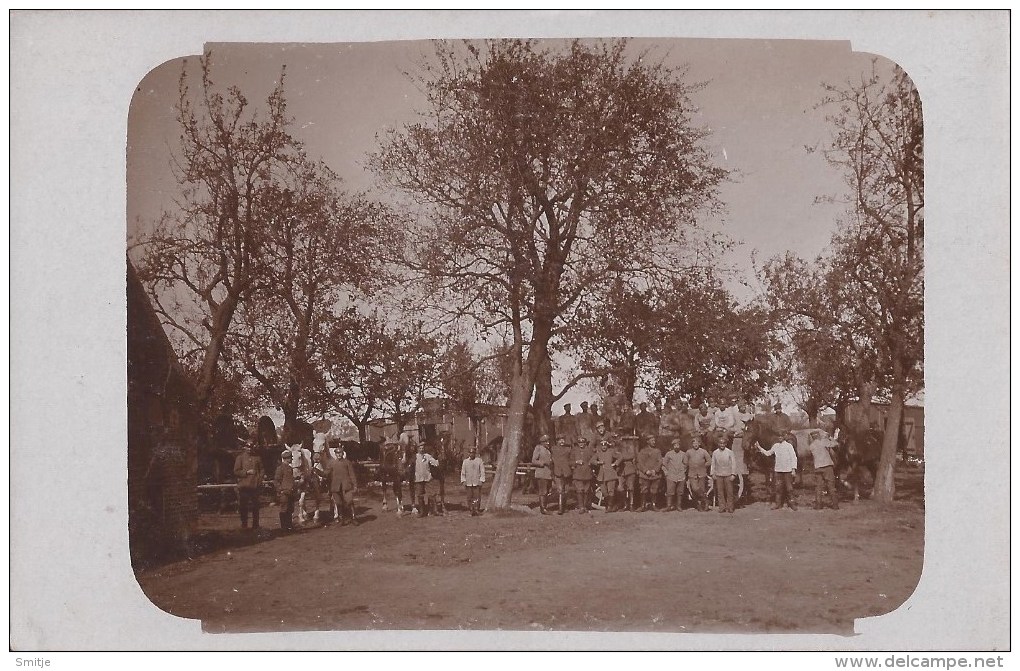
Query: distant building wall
x,y
162,437
912,433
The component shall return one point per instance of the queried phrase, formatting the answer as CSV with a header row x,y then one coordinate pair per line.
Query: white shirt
x,y
786,456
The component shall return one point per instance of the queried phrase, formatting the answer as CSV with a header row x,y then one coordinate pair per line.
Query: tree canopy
x,y
543,172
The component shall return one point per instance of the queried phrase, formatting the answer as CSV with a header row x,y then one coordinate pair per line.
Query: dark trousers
x,y
344,502
474,497
784,490
825,478
286,501
724,492
248,501
698,486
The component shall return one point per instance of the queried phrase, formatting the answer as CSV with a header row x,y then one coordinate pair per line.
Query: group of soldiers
x,y
631,454
300,474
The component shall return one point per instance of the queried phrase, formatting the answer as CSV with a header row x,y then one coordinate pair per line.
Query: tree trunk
x,y
363,432
291,433
210,362
544,399
885,482
513,437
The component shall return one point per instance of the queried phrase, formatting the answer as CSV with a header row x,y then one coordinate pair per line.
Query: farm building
x,y
912,433
162,436
482,426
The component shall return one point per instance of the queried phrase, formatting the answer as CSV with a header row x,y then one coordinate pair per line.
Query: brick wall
x,y
162,438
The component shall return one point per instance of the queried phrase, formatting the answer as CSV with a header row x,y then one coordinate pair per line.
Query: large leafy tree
x,y
543,171
375,365
325,246
869,291
204,258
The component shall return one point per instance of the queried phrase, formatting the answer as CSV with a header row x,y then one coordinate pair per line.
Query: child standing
x,y
472,475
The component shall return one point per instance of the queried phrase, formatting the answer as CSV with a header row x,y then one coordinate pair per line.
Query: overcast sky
x,y
759,105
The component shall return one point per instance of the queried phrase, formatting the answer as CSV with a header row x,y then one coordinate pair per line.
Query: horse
x,y
393,458
859,451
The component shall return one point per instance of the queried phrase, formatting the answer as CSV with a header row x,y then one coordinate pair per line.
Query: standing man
x,y
566,425
698,461
824,467
781,422
562,469
668,429
649,466
724,473
581,457
703,421
614,404
674,468
785,468
646,425
423,461
726,418
472,475
342,485
626,467
542,459
585,423
743,416
283,483
603,461
248,471
684,420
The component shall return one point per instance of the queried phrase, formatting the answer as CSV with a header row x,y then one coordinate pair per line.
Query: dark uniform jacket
x,y
563,463
582,470
603,460
284,479
625,456
646,423
248,462
341,476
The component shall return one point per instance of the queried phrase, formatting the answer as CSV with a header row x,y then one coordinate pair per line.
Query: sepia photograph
x,y
449,337
369,284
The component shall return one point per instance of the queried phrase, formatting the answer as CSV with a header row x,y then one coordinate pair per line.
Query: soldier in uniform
x,y
674,468
542,460
723,472
581,458
614,407
585,423
684,420
566,425
649,465
625,467
603,460
703,421
667,430
562,470
646,425
248,469
698,461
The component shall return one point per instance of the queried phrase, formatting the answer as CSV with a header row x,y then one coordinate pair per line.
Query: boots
x,y
354,516
563,504
285,521
421,506
541,504
670,503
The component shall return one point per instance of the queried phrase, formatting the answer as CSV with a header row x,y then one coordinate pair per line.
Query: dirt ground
x,y
757,570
